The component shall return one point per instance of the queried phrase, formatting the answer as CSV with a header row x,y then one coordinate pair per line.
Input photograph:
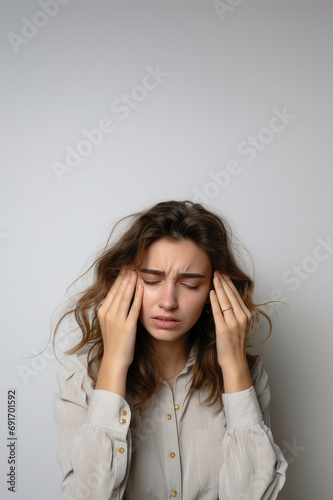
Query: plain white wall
x,y
239,118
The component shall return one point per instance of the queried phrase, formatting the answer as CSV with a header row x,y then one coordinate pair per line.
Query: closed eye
x,y
156,282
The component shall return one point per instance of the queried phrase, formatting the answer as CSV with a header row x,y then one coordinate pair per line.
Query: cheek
x,y
194,304
148,299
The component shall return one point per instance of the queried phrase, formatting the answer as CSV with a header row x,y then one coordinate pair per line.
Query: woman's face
x,y
176,277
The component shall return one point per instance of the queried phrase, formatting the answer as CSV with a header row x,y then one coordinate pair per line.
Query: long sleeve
x,y
254,466
93,444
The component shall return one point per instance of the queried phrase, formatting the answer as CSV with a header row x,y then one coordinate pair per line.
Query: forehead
x,y
180,256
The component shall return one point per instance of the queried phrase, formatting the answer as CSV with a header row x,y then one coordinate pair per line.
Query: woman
x,y
160,398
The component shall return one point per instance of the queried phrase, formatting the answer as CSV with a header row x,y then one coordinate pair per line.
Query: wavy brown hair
x,y
175,220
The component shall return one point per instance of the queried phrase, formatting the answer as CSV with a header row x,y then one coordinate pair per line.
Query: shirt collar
x,y
192,356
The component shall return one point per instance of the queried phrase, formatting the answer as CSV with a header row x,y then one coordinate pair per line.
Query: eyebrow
x,y
179,275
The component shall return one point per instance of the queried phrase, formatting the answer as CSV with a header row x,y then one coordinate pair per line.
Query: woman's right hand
x,y
118,321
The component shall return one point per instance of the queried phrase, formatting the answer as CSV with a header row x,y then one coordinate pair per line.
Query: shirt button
x,y
123,421
114,493
177,408
172,454
169,416
175,493
121,450
124,412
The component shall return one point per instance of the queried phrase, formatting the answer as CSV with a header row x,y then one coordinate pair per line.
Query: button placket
x,y
174,464
178,408
172,405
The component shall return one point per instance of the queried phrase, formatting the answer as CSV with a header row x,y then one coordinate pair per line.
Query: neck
x,y
172,355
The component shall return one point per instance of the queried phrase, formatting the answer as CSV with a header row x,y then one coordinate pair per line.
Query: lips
x,y
166,318
165,321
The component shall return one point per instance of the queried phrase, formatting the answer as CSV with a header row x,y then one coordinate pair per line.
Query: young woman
x,y
160,398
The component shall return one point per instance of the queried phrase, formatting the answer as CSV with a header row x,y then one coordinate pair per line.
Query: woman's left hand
x,y
232,325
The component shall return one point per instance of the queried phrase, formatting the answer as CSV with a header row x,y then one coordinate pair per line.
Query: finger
x,y
233,301
239,298
233,311
216,309
112,291
123,294
122,303
223,298
136,306
239,313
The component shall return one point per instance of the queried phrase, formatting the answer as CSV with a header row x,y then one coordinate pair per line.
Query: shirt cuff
x,y
242,408
109,410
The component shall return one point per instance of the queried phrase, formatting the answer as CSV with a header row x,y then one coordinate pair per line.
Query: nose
x,y
168,296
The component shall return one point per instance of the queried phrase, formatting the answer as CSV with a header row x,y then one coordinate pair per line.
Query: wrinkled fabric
x,y
176,448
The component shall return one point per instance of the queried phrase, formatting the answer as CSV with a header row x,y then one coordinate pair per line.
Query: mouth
x,y
165,321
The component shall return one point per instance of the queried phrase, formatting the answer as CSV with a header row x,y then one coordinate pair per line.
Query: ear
x,y
211,288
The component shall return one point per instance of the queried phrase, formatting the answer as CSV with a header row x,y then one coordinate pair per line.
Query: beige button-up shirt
x,y
176,449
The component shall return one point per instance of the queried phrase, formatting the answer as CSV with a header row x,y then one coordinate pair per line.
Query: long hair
x,y
176,220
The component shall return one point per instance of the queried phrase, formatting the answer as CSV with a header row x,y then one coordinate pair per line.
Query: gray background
x,y
227,72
